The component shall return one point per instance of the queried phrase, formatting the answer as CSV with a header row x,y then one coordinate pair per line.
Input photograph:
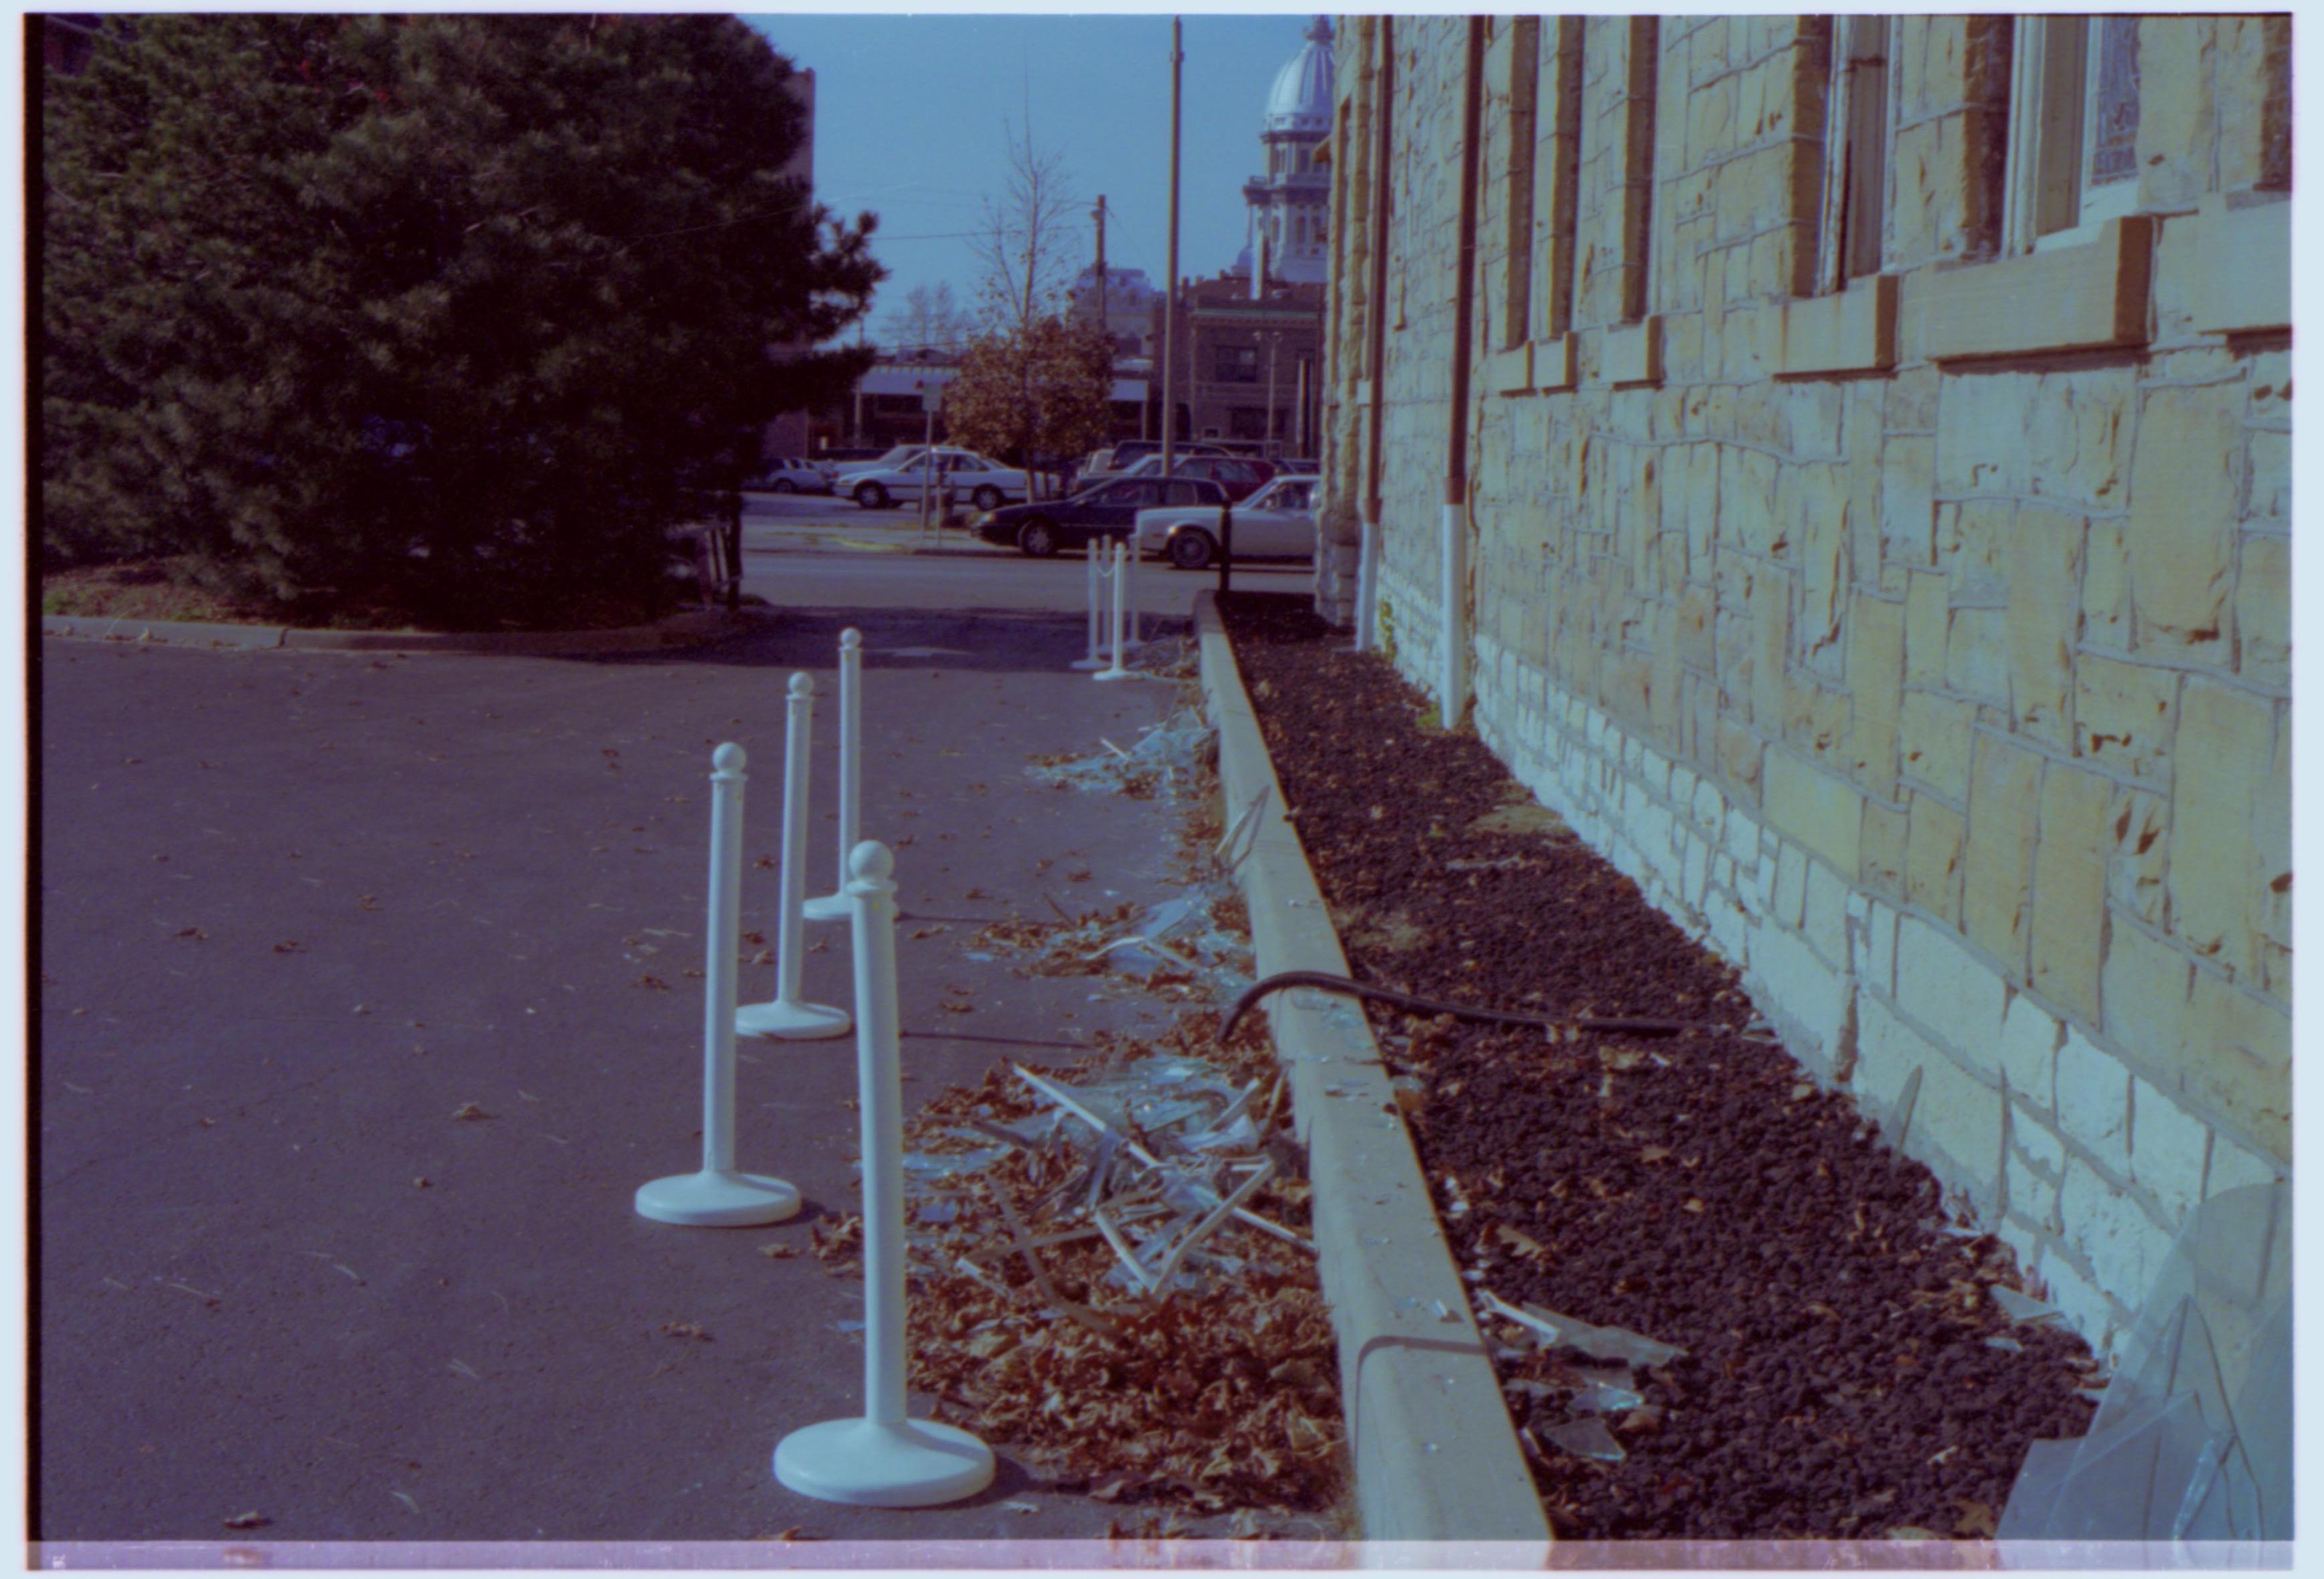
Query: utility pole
x,y
1098,214
1170,278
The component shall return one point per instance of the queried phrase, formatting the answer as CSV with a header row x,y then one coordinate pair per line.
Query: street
x,y
813,552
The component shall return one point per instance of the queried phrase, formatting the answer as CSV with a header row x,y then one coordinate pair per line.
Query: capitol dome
x,y
1301,101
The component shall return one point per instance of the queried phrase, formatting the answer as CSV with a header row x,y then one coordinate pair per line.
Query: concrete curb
x,y
678,631
1437,1458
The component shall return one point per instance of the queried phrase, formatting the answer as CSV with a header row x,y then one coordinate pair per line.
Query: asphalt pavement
x,y
299,911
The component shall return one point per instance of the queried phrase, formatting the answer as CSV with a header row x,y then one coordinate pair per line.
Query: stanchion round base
x,y
792,1022
827,906
1086,664
1113,674
710,1199
918,1463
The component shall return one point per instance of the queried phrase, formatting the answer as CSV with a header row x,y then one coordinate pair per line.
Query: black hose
x,y
1260,989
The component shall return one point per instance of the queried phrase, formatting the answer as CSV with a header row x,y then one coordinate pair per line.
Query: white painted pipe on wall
x,y
718,1197
1453,670
788,1017
880,1459
834,906
1368,585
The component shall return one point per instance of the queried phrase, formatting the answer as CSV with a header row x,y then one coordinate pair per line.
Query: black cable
x,y
1251,994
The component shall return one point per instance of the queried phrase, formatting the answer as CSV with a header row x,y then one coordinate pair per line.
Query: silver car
x,y
790,474
1278,522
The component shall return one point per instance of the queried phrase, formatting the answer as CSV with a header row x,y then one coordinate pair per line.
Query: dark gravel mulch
x,y
1848,1374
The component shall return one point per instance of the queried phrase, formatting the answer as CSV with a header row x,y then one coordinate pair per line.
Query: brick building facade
x,y
1870,530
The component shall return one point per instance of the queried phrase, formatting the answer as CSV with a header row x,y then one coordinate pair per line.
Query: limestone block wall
x,y
1921,645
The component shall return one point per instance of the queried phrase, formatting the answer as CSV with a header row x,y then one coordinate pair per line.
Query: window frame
x,y
2049,200
1851,242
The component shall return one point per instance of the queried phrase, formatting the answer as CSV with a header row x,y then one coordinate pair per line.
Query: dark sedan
x,y
1108,509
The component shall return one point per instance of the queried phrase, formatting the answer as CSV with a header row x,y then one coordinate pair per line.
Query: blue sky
x,y
909,113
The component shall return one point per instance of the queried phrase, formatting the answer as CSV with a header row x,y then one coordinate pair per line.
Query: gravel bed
x,y
1847,1372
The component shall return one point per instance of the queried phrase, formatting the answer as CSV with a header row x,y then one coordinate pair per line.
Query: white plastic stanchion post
x,y
1093,555
1114,670
1129,592
881,1459
718,1197
834,906
789,1018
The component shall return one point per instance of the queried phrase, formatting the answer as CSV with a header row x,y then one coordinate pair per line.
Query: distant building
x,y
1290,205
1247,368
1129,301
1246,365
890,405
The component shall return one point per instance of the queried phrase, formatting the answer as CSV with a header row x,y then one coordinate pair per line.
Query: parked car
x,y
790,475
1109,510
1240,478
1278,522
1308,466
985,484
1118,459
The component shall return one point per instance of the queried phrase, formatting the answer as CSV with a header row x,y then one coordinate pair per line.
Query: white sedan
x,y
1278,522
985,484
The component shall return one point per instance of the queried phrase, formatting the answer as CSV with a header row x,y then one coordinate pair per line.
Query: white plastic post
x,y
1114,670
718,1197
1129,592
881,1459
788,1018
834,906
1095,556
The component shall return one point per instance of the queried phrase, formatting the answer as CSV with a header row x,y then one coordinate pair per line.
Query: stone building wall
x,y
1921,644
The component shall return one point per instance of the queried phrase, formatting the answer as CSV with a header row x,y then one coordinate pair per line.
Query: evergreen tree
x,y
452,313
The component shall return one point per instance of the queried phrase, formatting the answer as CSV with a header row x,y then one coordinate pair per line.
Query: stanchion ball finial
x,y
730,757
851,637
872,860
802,683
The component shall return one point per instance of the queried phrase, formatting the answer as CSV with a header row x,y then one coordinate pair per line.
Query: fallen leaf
x,y
250,1520
1694,1205
1913,1532
469,1110
1976,1520
654,983
195,933
418,1184
685,1329
1654,1153
778,1252
292,947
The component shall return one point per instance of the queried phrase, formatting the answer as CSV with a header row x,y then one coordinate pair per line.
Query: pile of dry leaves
x,y
1111,1275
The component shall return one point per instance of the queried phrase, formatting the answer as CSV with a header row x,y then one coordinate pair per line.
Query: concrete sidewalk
x,y
297,909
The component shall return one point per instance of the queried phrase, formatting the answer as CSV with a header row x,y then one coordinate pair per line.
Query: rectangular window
x,y
1558,177
1245,422
1522,64
1235,364
1639,169
1856,153
2073,129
